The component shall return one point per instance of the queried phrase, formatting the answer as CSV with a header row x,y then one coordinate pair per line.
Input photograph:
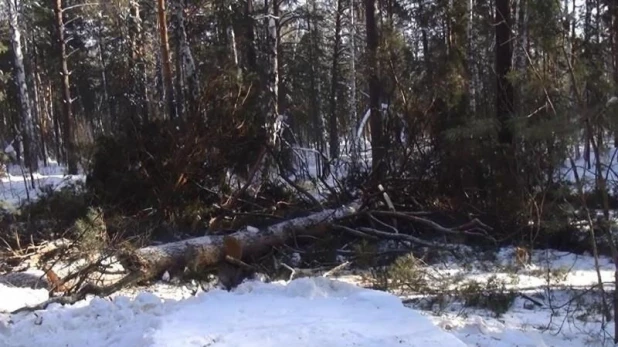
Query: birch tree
x,y
166,63
272,100
187,72
139,88
28,124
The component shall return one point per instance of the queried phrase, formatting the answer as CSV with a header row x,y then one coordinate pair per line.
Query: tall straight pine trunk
x,y
67,112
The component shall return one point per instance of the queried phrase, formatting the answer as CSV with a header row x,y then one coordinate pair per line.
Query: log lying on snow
x,y
151,262
202,252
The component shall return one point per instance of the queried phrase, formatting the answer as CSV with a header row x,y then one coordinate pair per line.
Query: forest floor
x,y
483,299
334,312
567,310
14,191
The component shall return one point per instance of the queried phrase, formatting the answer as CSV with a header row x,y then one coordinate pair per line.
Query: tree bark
x,y
27,121
315,107
353,102
187,73
166,63
504,100
614,31
69,142
425,40
519,52
333,132
273,73
250,55
106,104
378,149
40,107
206,251
139,89
472,67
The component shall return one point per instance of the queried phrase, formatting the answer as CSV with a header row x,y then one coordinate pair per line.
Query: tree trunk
x,y
504,100
69,142
139,89
425,41
28,125
106,99
356,144
273,73
234,43
333,132
166,63
614,31
472,67
202,252
315,108
251,60
180,87
378,150
40,108
519,52
189,79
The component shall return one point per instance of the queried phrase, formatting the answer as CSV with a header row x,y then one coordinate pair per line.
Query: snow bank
x,y
13,298
306,312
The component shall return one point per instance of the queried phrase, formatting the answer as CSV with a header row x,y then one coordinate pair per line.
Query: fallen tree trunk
x,y
202,252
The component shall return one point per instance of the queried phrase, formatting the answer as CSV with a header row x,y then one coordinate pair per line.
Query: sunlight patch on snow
x,y
578,270
14,190
13,298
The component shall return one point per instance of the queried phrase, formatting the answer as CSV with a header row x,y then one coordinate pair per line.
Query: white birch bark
x,y
232,34
273,83
27,121
188,64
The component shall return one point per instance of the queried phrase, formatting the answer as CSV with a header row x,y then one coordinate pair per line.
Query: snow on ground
x,y
314,311
320,311
522,327
587,171
567,269
569,316
14,191
305,312
13,298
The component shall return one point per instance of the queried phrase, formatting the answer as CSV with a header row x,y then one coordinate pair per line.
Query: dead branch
x,y
405,237
473,228
355,232
128,280
336,269
239,263
302,191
